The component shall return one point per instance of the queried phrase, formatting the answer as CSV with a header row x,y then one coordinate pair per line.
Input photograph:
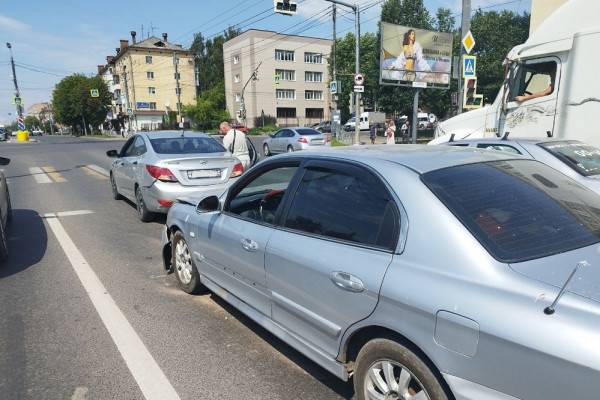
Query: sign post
x,y
94,93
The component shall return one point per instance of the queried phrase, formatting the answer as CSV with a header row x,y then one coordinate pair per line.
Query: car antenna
x,y
505,136
452,138
552,307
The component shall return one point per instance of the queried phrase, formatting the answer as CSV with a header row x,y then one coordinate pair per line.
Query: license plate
x,y
316,142
204,173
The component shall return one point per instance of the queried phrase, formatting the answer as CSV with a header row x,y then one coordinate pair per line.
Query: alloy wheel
x,y
183,262
389,380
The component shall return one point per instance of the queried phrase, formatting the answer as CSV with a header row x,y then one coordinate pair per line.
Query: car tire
x,y
290,149
3,243
9,213
143,213
115,192
266,150
188,278
382,360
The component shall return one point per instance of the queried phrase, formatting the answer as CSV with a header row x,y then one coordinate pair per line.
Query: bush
x,y
262,130
269,120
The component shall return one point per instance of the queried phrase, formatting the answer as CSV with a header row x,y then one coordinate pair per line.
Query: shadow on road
x,y
344,389
27,242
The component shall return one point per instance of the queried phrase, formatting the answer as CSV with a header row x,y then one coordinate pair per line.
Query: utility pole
x,y
178,90
465,28
253,77
126,96
14,72
334,61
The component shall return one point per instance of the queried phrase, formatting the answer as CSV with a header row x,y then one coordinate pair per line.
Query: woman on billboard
x,y
411,58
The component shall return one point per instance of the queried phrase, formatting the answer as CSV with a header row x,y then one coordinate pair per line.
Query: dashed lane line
x,y
39,175
54,175
148,375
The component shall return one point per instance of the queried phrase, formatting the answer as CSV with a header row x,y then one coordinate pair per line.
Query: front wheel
x,y
187,275
387,370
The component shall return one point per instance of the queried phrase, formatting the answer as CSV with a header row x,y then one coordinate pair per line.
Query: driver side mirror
x,y
271,135
209,204
112,154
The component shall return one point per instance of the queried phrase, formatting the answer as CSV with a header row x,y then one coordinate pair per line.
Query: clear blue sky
x,y
56,38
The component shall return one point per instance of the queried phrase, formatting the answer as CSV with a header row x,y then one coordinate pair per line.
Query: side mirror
x,y
271,135
4,161
112,154
208,204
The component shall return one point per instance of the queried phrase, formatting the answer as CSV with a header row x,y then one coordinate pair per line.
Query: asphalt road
x,y
88,312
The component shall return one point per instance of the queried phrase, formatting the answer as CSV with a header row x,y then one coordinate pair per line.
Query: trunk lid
x,y
554,270
315,140
200,170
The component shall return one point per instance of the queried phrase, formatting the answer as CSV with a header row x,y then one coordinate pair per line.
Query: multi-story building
x,y
292,81
150,78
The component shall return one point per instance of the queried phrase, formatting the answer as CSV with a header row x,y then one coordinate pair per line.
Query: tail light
x,y
162,174
165,203
238,169
303,140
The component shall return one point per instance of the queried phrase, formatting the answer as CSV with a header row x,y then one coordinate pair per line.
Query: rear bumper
x,y
172,191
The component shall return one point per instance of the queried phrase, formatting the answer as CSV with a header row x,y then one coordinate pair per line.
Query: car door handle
x,y
249,245
134,163
348,282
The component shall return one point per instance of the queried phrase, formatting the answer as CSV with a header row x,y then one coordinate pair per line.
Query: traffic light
x,y
285,7
471,99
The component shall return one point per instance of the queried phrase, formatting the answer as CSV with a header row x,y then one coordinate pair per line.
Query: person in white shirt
x,y
235,142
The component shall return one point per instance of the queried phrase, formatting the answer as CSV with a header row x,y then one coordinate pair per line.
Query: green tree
x,y
73,104
32,122
210,108
209,57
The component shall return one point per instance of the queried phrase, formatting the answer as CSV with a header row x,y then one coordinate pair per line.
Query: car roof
x,y
172,134
524,140
420,158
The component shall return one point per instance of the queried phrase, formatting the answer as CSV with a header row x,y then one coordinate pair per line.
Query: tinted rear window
x,y
307,132
186,145
519,210
582,157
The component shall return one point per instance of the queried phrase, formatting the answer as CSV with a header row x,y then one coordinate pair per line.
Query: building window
x,y
313,95
152,105
315,113
151,90
150,75
313,58
284,55
286,74
238,97
311,76
285,94
236,78
148,59
285,112
111,70
116,79
177,90
177,75
236,59
117,94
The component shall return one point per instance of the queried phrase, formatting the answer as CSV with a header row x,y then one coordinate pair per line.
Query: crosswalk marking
x,y
99,170
54,175
91,172
39,175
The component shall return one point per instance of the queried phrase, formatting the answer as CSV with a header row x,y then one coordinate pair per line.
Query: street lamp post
x,y
14,72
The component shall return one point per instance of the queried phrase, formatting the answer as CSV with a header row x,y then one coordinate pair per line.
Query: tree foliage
x,y
210,108
72,102
209,57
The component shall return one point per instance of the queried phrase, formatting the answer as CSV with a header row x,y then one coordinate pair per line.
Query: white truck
x,y
556,71
366,120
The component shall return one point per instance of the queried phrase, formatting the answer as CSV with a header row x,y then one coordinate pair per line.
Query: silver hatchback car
x,y
153,169
422,272
293,139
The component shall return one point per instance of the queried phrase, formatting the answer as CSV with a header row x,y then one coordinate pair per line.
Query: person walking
x,y
373,133
391,132
235,142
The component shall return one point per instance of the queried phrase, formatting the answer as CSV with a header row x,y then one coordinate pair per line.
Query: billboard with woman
x,y
415,57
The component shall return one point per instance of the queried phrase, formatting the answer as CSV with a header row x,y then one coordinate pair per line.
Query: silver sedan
x,y
287,140
156,168
424,272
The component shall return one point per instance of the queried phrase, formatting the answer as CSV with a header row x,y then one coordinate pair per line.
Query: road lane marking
x,y
148,375
89,171
99,170
67,213
39,175
54,175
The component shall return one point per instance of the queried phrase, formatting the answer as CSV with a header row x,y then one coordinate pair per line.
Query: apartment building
x,y
293,77
149,79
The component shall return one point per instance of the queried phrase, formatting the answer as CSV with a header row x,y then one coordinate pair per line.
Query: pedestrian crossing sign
x,y
469,67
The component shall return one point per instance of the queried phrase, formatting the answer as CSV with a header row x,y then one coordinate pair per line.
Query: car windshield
x,y
307,132
186,145
582,157
519,210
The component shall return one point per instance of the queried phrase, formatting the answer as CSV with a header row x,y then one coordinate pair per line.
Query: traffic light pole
x,y
14,72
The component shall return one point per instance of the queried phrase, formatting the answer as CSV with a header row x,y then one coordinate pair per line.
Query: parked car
x,y
323,127
153,169
293,139
5,211
573,158
425,272
2,134
366,120
36,132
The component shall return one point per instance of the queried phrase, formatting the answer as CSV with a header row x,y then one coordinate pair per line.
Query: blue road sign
x,y
469,67
333,87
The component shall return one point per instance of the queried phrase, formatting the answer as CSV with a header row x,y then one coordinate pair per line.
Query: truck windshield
x,y
519,210
581,157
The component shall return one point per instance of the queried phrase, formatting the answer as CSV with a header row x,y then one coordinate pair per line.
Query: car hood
x,y
554,270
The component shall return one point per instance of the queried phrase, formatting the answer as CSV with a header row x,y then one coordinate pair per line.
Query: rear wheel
x,y
266,150
115,191
144,214
187,275
290,149
387,370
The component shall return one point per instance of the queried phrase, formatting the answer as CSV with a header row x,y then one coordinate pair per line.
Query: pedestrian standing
x,y
390,132
404,130
373,133
235,142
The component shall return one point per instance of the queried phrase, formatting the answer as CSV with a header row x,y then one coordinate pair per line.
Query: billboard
x,y
415,57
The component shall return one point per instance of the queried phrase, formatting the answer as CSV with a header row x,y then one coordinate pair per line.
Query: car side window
x,y
499,147
261,198
139,147
354,207
278,134
289,133
127,148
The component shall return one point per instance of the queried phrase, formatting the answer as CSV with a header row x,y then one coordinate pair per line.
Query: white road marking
x,y
68,213
148,375
99,170
39,175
